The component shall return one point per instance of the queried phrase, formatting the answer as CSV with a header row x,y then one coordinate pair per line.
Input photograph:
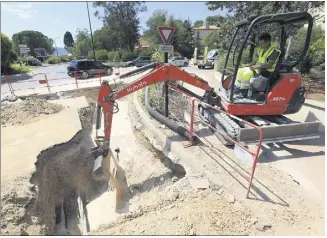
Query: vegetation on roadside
x,y
20,69
59,59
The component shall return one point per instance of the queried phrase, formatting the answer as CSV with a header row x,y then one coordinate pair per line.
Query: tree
x,y
186,39
158,18
7,55
212,40
241,10
82,43
68,39
105,39
198,23
215,20
197,42
122,19
33,39
182,39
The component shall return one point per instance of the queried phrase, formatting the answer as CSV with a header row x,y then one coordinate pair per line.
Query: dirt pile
x,y
163,202
27,111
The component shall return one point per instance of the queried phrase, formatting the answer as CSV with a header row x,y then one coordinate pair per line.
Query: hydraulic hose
x,y
139,70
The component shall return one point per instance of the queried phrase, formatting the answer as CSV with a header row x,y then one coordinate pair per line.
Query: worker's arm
x,y
249,64
271,59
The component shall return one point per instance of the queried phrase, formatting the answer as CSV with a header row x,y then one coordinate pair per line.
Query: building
x,y
143,44
203,31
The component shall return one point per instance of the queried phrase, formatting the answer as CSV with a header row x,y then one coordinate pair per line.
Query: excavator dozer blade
x,y
107,169
281,133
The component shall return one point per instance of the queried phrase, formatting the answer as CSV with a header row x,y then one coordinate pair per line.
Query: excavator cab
x,y
279,93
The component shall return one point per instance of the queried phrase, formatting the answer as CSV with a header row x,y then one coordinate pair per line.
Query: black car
x,y
87,68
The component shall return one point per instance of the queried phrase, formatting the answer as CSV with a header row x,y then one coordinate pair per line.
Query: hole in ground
x,y
64,183
64,180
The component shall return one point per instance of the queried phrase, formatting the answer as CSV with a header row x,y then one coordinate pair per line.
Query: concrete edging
x,y
173,150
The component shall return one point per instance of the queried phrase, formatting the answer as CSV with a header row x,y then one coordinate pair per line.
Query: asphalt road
x,y
57,75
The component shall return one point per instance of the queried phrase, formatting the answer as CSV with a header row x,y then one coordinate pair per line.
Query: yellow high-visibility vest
x,y
245,74
243,77
264,56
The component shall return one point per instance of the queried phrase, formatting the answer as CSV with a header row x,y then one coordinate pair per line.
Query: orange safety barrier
x,y
192,134
310,89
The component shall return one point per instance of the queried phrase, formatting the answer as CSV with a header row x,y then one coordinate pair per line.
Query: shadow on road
x,y
234,169
293,153
14,78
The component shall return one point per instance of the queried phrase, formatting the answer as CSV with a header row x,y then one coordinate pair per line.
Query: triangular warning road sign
x,y
166,33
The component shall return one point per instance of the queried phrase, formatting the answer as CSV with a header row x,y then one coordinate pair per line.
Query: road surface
x,y
57,75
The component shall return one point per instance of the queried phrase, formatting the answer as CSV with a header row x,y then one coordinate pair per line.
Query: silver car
x,y
179,61
142,60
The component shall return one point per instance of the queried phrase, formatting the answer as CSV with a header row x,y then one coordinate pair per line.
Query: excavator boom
x,y
161,73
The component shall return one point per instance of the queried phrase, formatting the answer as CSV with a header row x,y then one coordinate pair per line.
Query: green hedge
x,y
53,60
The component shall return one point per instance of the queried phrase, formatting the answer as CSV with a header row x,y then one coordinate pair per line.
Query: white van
x,y
212,54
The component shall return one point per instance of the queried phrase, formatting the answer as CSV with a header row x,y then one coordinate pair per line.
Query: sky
x,y
53,19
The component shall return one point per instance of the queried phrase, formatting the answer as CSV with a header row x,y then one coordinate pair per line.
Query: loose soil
x,y
28,110
29,201
163,202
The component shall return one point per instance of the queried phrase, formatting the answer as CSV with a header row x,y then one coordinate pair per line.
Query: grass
x,y
17,69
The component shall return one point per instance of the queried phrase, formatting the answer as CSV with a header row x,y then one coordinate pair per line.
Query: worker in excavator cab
x,y
259,71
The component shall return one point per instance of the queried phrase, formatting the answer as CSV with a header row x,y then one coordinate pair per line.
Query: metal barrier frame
x,y
255,155
309,89
45,81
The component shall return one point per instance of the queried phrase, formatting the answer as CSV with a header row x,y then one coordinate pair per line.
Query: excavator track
x,y
220,121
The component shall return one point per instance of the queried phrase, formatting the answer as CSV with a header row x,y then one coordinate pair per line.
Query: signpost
x,y
166,33
23,49
166,48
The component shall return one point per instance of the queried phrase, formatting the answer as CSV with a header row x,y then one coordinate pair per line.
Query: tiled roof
x,y
206,28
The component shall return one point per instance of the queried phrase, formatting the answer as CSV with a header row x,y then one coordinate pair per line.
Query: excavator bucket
x,y
281,133
107,169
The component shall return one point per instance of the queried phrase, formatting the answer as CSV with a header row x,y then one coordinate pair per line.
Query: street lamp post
x,y
88,12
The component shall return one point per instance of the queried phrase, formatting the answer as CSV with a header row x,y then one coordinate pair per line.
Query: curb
x,y
315,104
174,151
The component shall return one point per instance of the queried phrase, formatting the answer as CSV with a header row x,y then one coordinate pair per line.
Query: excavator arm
x,y
161,73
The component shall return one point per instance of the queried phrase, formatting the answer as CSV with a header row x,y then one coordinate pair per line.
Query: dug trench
x,y
63,183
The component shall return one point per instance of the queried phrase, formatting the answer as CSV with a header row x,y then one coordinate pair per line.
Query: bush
x,y
17,69
158,56
148,51
101,54
128,56
305,65
114,56
7,54
66,58
53,60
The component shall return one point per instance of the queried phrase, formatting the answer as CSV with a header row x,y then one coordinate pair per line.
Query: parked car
x,y
142,60
212,54
179,61
87,68
130,63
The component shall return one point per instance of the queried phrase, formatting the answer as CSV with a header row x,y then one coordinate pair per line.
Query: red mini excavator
x,y
266,106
